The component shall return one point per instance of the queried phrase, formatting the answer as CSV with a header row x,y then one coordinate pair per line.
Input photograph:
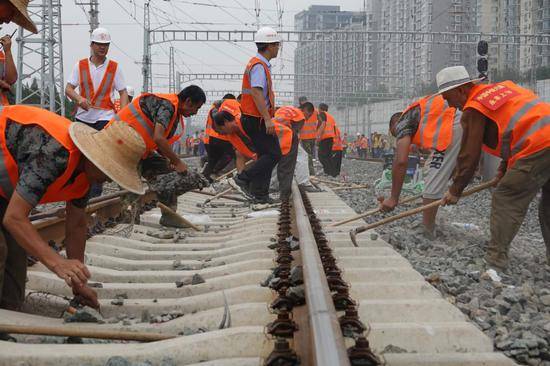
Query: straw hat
x,y
116,151
453,77
22,17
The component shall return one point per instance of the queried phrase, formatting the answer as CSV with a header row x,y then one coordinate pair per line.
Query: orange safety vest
x,y
522,118
134,116
209,130
248,106
330,123
239,140
337,144
3,97
62,189
283,133
435,128
100,98
288,115
309,130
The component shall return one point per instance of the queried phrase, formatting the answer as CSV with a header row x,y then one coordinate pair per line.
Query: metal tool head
x,y
352,235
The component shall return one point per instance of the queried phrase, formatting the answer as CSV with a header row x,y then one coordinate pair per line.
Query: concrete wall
x,y
375,117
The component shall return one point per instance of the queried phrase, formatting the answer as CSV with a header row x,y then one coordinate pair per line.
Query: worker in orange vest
x,y
308,134
258,106
46,158
325,137
96,78
431,124
513,123
337,152
228,121
294,119
219,150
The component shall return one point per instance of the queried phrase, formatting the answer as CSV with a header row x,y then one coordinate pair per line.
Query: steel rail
x,y
327,340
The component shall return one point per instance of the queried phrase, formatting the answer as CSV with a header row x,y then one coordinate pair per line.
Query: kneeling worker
x,y
46,158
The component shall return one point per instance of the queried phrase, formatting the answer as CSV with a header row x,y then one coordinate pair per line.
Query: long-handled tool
x,y
232,171
353,233
176,217
221,194
371,212
84,333
349,188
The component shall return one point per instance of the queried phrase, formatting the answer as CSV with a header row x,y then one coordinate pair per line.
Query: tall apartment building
x,y
534,19
418,63
338,69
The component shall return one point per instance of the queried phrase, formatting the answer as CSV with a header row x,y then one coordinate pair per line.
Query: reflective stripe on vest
x,y
134,116
3,93
309,130
522,118
435,127
248,105
63,188
330,123
100,98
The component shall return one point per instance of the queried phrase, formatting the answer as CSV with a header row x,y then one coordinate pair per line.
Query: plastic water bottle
x,y
466,225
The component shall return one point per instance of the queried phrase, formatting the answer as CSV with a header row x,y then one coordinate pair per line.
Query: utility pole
x,y
171,72
146,67
47,44
93,13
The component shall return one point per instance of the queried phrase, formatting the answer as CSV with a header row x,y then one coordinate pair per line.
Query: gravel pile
x,y
514,310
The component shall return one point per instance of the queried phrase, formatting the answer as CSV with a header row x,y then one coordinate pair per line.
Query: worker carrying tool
x,y
219,150
308,134
325,138
46,158
431,124
258,107
156,117
511,122
228,121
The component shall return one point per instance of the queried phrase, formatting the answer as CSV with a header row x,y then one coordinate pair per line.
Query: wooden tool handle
x,y
84,332
371,212
414,211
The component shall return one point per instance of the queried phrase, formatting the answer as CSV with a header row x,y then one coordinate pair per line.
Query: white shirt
x,y
93,114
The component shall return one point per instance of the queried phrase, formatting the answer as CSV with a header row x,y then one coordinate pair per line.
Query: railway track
x,y
272,287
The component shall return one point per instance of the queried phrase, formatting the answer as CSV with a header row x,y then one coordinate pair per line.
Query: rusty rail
x,y
327,340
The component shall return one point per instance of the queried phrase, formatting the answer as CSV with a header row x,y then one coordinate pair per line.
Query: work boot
x,y
497,260
309,188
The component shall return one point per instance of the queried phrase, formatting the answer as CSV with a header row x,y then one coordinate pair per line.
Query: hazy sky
x,y
121,17
124,19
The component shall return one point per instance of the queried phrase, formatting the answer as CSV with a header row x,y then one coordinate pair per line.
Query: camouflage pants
x,y
167,183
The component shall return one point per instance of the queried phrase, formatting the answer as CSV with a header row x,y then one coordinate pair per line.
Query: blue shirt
x,y
258,77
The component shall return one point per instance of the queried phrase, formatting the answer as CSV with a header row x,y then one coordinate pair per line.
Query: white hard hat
x,y
100,35
130,91
267,35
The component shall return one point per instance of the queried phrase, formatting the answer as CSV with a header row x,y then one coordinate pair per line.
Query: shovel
x,y
221,194
353,233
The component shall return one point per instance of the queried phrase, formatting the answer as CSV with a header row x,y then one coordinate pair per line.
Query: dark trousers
x,y
325,155
287,164
220,153
258,174
336,163
13,267
309,147
96,189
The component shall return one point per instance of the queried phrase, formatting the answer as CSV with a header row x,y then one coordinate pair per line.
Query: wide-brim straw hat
x,y
22,16
453,77
116,151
